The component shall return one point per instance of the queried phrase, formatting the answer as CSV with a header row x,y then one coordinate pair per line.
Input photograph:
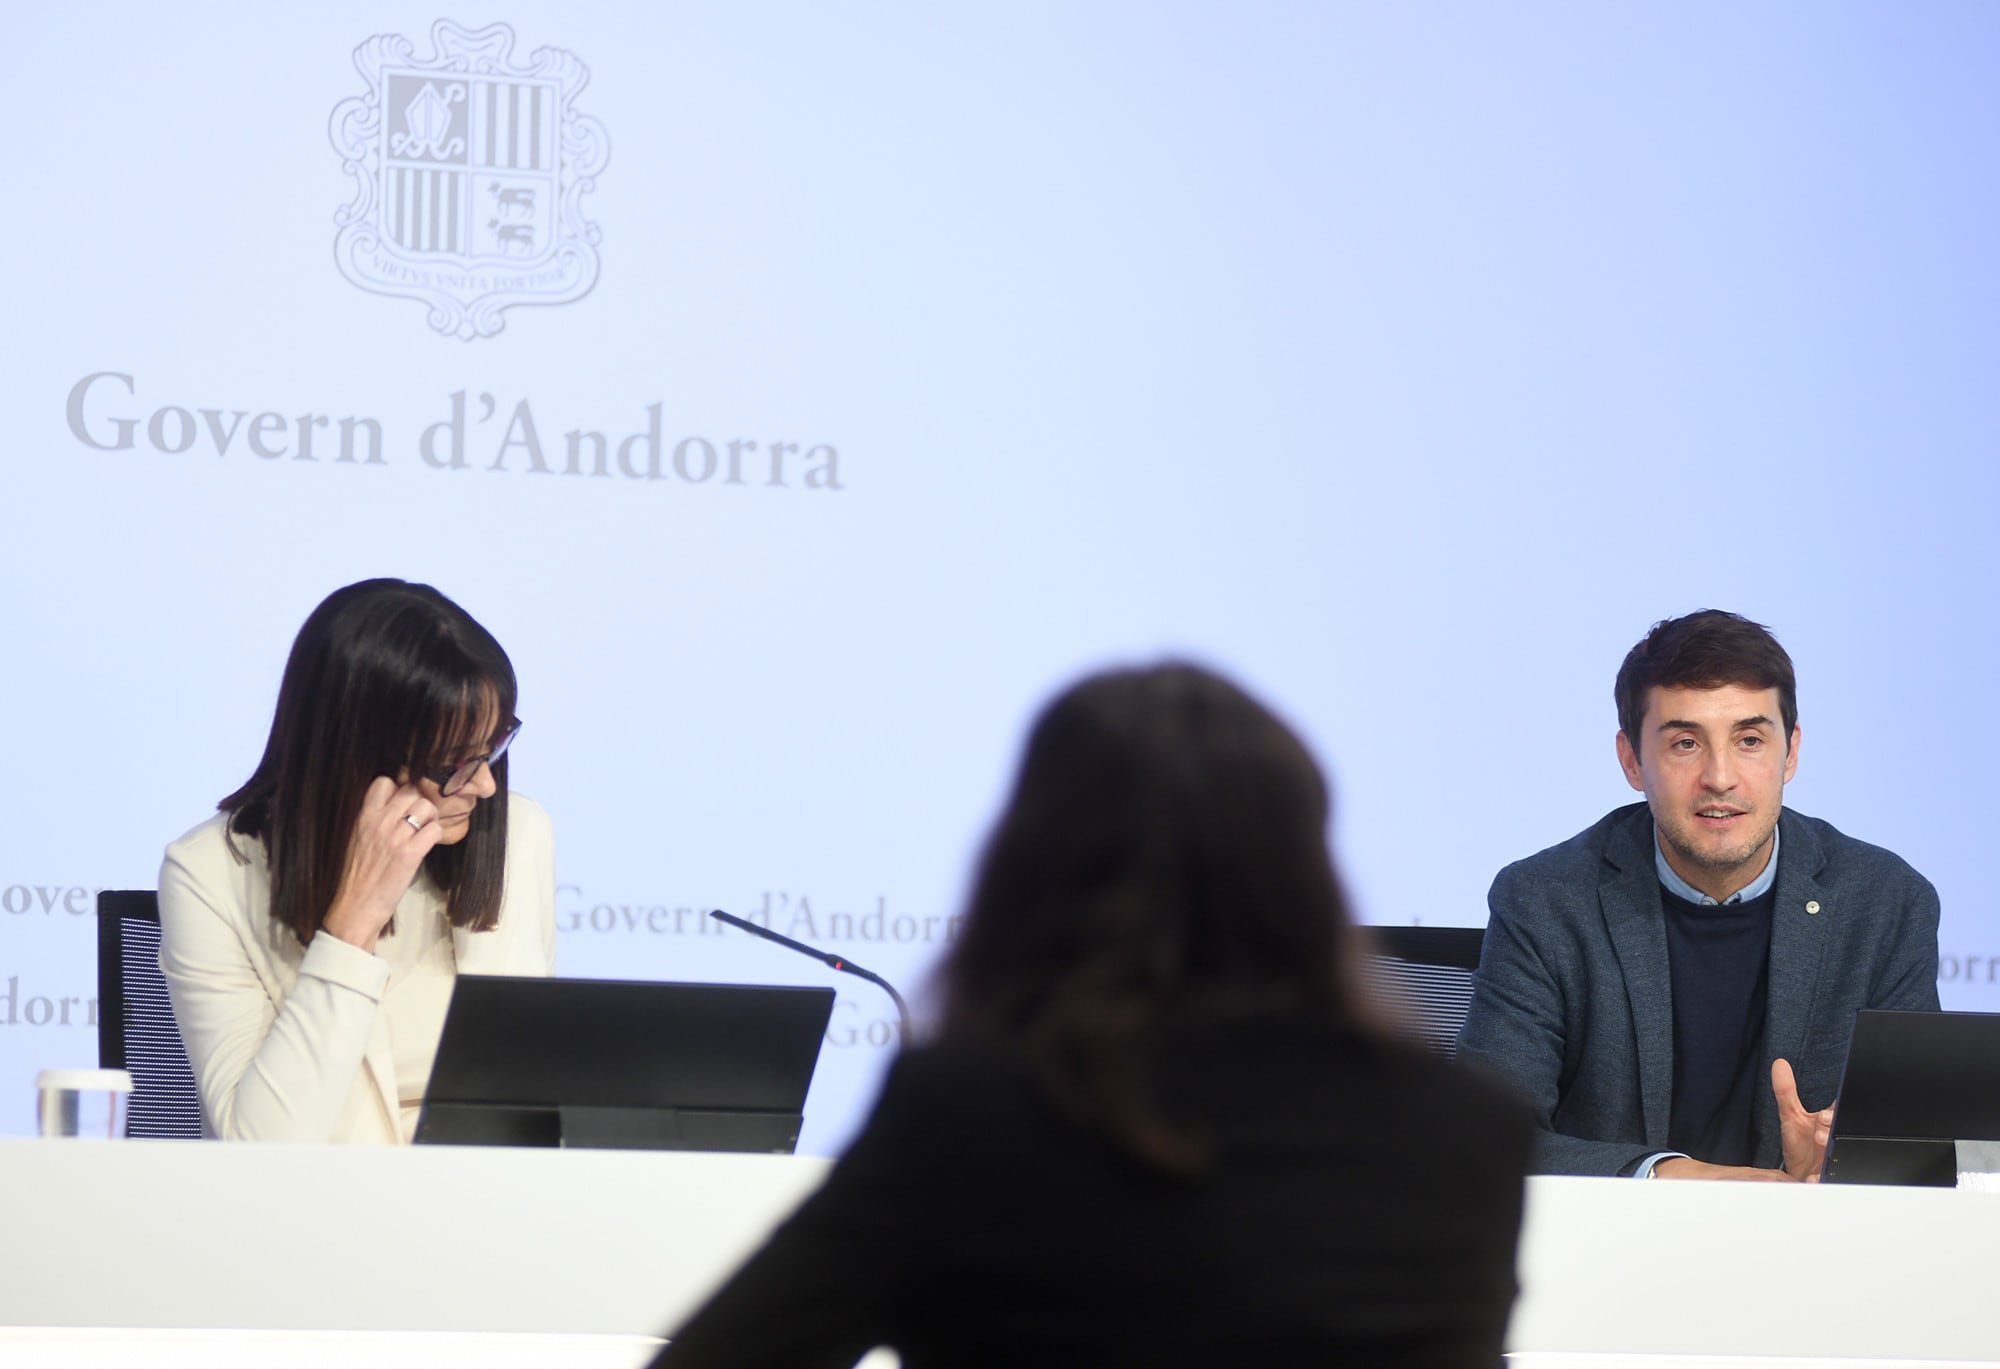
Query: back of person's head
x,y
1708,649
1162,859
384,677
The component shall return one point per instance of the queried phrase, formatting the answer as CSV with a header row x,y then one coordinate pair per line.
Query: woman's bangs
x,y
459,707
466,725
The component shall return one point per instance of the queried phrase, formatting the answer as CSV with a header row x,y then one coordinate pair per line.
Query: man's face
x,y
1713,765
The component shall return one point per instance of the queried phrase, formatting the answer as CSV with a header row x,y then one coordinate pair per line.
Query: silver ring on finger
x,y
411,818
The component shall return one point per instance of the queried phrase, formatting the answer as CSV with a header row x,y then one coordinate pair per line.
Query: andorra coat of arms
x,y
469,176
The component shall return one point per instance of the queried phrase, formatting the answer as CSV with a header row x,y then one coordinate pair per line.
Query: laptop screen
x,y
624,1064
1915,1084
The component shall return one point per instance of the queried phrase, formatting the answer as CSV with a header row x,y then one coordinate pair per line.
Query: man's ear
x,y
1628,761
1792,754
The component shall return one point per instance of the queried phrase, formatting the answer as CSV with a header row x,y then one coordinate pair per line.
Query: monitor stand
x,y
1893,1160
595,1128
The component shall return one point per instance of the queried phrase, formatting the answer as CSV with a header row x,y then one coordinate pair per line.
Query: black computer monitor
x,y
622,1064
1915,1084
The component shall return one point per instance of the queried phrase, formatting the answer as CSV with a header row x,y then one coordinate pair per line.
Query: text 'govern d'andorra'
x,y
476,433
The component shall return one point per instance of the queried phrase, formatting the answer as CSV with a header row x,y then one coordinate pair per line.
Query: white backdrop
x,y
1406,362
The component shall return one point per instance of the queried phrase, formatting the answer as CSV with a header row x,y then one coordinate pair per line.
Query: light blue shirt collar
x,y
1680,888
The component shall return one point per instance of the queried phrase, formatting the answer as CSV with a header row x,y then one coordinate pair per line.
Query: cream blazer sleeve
x,y
284,1040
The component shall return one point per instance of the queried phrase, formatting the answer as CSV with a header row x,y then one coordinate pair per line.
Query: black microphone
x,y
825,958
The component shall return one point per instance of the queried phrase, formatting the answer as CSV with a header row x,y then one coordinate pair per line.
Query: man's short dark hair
x,y
1704,650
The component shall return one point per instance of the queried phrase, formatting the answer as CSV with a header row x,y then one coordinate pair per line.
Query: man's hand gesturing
x,y
1803,1133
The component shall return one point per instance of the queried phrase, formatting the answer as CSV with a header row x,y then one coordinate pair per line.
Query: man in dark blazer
x,y
1674,987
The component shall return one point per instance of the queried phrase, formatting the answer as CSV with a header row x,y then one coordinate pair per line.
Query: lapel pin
x,y
1812,906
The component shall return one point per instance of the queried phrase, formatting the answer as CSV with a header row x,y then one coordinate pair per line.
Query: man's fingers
x,y
1785,1085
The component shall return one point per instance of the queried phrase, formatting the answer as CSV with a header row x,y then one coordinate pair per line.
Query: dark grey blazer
x,y
1573,1001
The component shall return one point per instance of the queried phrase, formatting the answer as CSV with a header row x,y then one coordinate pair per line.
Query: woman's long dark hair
x,y
385,675
1163,859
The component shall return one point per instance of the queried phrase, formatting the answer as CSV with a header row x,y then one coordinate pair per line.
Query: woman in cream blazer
x,y
311,931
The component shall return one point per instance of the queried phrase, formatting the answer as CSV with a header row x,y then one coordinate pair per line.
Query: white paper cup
x,y
83,1103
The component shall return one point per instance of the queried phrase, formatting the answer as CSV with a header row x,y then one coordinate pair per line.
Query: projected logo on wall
x,y
469,177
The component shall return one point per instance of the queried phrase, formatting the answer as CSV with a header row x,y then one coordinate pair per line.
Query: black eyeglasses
x,y
451,778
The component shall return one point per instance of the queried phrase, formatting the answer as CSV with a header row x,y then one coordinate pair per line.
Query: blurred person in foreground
x,y
1158,1126
312,930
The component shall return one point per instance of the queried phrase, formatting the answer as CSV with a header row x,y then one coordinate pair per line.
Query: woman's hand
x,y
395,831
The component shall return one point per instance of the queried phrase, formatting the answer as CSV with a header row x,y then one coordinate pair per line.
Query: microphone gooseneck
x,y
838,962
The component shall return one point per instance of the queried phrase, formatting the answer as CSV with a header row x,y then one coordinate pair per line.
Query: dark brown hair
x,y
385,675
1704,650
1163,857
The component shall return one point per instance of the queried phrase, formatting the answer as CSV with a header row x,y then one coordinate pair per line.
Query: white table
x,y
211,1255
1756,1274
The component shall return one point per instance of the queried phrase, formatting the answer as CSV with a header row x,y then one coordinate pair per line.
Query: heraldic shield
x,y
469,175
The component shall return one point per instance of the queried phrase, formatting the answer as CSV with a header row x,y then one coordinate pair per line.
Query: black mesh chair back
x,y
1425,973
135,1021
